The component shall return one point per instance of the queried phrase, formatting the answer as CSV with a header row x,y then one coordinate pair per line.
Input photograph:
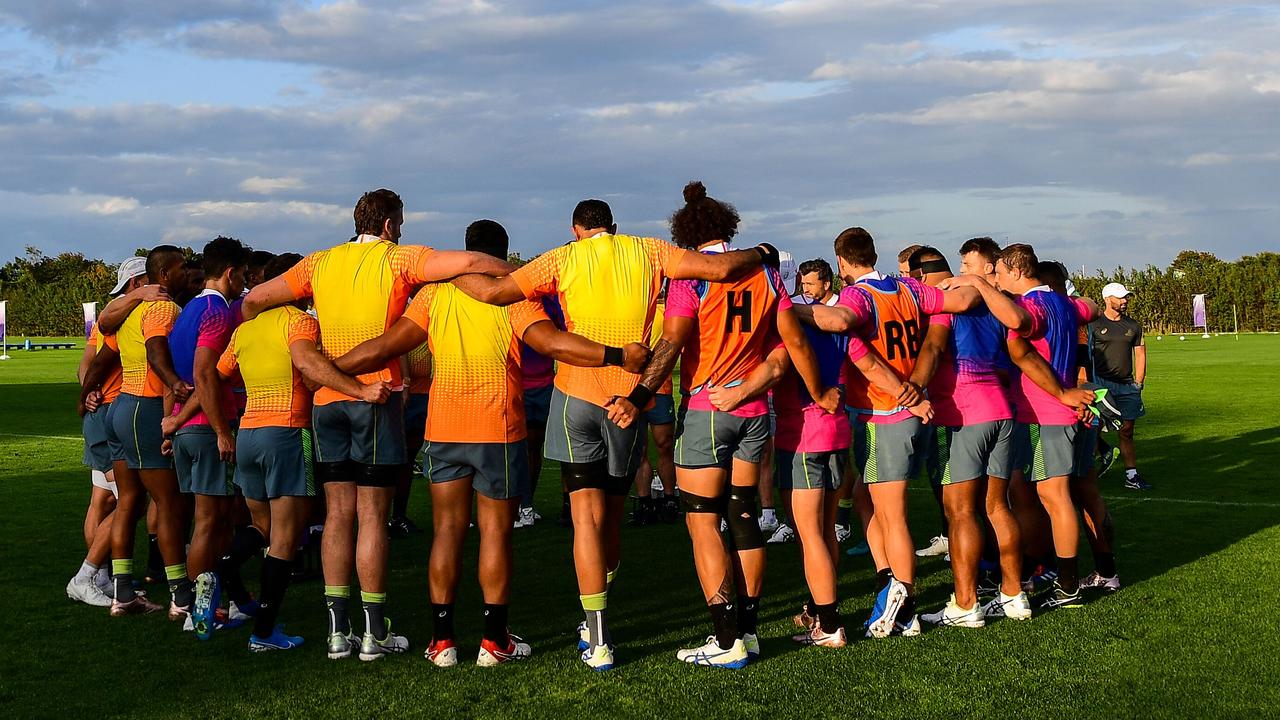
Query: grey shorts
x,y
361,432
1085,446
274,462
887,452
537,404
1044,451
970,452
663,411
200,467
497,470
97,448
580,432
810,470
415,417
134,426
707,438
1127,397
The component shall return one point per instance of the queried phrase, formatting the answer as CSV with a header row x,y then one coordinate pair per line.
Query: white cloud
x,y
112,206
270,185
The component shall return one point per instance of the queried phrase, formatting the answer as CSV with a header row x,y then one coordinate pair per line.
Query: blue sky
x,y
1103,134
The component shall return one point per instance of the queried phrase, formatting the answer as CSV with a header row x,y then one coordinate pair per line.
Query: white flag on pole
x,y
90,317
4,334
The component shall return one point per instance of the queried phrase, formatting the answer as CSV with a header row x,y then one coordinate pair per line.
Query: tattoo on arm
x,y
660,365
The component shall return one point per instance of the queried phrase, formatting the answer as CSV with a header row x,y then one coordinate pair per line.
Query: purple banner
x,y
90,316
1197,312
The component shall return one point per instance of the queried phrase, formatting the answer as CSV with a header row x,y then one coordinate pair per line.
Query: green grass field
x,y
1194,633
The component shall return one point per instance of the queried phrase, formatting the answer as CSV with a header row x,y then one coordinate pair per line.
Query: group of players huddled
x,y
287,389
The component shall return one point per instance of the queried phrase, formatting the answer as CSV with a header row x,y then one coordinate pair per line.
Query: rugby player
x,y
273,353
608,286
538,372
661,419
141,469
476,450
417,367
360,288
1046,427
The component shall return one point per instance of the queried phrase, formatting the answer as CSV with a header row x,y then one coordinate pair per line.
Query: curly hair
x,y
703,219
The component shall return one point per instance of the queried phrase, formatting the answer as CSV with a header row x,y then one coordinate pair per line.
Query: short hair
x,y
488,237
820,266
374,209
280,264
857,247
1052,272
702,219
159,258
593,213
260,258
984,246
221,253
906,253
923,253
1021,257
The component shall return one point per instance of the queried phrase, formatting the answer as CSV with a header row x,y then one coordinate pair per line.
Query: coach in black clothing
x,y
1120,363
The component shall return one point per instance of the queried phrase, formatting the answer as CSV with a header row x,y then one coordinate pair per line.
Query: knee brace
x,y
691,503
584,476
744,526
341,471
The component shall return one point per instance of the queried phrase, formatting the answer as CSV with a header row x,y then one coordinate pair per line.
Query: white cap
x,y
786,268
1115,290
1071,289
128,270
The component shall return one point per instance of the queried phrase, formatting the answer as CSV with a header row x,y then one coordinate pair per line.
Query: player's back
x,y
895,332
275,395
151,318
736,328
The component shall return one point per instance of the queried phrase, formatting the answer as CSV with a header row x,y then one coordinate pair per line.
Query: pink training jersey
x,y
1055,319
963,396
803,426
930,300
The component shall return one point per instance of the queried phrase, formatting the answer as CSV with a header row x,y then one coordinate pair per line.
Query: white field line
x,y
43,437
1122,500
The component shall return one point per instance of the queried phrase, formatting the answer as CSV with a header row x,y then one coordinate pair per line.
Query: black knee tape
x,y
585,476
691,503
744,526
341,471
379,476
618,485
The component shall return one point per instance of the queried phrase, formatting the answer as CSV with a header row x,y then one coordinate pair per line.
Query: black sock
x,y
828,617
155,561
908,609
1028,566
748,613
1068,574
276,574
1105,564
882,578
441,621
245,543
725,621
339,621
810,605
495,624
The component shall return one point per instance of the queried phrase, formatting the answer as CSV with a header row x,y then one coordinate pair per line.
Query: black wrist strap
x,y
640,397
613,356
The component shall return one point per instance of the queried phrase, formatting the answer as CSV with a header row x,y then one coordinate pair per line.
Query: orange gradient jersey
x,y
894,331
477,391
360,288
154,318
737,328
608,287
418,361
111,385
275,395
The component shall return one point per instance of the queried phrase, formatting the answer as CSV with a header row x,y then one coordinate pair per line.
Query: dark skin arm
x,y
161,361
931,354
491,290
372,355
97,372
117,311
317,368
716,267
675,333
566,347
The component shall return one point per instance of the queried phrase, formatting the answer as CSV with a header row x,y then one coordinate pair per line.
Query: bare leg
x,y
450,517
1008,535
960,501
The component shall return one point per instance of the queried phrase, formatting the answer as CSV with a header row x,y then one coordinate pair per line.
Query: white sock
x,y
1131,473
770,515
87,570
102,577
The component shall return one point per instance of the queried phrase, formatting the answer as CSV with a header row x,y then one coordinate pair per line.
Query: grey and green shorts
x,y
887,452
133,425
274,462
97,446
708,438
795,470
971,452
1044,451
581,432
201,470
360,432
497,470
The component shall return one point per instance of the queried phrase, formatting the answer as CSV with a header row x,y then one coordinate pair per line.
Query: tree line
x,y
45,293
